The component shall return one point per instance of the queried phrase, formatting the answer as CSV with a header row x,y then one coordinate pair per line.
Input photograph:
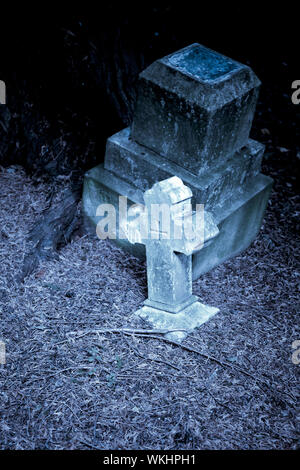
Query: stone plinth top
x,y
201,76
202,63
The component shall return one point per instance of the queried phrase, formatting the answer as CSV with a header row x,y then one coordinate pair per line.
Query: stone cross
x,y
169,248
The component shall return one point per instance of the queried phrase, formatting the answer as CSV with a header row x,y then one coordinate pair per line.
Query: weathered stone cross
x,y
171,238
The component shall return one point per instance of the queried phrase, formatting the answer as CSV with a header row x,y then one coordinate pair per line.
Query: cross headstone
x,y
192,119
169,248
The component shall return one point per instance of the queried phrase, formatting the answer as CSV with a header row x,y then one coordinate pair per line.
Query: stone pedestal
x,y
192,119
186,320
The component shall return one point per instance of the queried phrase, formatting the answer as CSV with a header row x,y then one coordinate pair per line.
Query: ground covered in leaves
x,y
70,384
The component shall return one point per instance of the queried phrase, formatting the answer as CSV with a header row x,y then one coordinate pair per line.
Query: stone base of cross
x,y
182,322
172,232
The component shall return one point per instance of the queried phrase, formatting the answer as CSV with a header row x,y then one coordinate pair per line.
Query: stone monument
x,y
170,244
192,120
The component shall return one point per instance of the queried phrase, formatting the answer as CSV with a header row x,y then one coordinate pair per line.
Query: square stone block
x,y
195,107
142,167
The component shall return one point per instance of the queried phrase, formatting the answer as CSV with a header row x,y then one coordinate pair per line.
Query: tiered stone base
x,y
238,217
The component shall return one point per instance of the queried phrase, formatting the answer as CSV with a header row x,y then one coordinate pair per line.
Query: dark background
x,y
71,78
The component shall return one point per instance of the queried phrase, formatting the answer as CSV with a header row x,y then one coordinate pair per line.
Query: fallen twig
x,y
159,361
218,361
160,334
126,331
